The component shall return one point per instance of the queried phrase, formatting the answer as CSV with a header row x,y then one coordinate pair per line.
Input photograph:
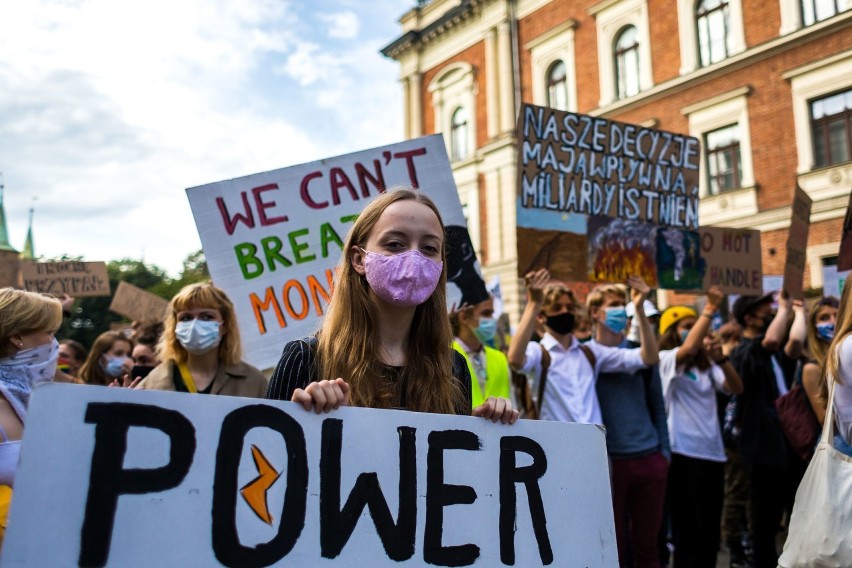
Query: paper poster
x,y
272,240
733,260
173,479
137,304
797,244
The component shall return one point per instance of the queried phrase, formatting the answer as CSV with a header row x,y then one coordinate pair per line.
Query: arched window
x,y
458,135
557,86
627,62
713,21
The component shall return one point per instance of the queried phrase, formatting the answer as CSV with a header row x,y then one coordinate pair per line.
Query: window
x,y
557,86
627,62
831,128
712,18
458,135
722,153
814,11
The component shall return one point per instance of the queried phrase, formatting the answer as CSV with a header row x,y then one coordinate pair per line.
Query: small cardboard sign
x,y
844,260
75,278
171,479
137,304
797,244
733,260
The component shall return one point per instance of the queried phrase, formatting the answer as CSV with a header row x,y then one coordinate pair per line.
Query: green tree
x,y
194,270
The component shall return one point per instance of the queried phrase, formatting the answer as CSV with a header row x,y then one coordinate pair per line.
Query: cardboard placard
x,y
75,278
797,244
272,240
844,259
171,479
599,200
733,260
137,304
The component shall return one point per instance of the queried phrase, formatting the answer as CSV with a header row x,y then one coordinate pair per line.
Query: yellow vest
x,y
497,381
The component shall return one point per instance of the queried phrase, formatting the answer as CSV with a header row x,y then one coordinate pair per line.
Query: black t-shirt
x,y
295,371
180,386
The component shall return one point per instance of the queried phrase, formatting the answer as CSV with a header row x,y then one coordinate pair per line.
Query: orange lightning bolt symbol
x,y
255,491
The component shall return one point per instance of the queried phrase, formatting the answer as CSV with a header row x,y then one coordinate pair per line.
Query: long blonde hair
x,y
348,340
24,312
842,328
201,295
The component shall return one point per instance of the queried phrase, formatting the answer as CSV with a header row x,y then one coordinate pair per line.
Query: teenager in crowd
x,y
821,324
692,369
637,438
109,359
385,341
72,355
200,349
474,327
838,371
568,392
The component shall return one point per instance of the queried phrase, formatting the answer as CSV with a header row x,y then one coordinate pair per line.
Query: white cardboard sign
x,y
115,477
273,239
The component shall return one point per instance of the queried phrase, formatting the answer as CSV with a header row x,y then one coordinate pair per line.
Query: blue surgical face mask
x,y
825,331
198,336
683,336
487,330
616,319
113,366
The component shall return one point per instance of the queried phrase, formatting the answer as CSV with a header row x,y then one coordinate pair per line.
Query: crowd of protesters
x,y
698,454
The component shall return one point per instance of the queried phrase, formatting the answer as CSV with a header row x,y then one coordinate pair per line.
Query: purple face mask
x,y
406,279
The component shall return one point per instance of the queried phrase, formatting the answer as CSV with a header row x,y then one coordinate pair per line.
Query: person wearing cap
x,y
761,444
692,370
637,438
651,313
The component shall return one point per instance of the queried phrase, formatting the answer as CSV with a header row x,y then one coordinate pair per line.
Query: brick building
x,y
765,84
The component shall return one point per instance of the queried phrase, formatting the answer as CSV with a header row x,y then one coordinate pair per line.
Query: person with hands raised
x,y
564,371
692,369
385,341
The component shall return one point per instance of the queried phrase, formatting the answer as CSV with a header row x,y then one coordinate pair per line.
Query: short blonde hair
x,y
597,296
24,312
201,295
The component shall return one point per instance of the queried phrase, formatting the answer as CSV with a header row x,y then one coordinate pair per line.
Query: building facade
x,y
766,85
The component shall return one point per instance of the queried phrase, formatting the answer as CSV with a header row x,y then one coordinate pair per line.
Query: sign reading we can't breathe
x,y
272,239
170,479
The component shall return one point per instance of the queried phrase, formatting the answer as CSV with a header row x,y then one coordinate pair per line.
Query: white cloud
x,y
342,25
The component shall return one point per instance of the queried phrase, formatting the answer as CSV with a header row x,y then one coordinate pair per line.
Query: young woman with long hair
x,y
820,330
200,349
108,360
838,370
386,338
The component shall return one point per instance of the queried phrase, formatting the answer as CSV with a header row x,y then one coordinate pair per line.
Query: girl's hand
x,y
324,396
713,348
126,382
715,297
496,409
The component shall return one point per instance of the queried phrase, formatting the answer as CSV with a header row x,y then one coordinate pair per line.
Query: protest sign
x,y
797,244
156,479
844,260
272,240
733,260
137,304
597,199
75,278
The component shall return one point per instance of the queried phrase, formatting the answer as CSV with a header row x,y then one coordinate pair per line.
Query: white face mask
x,y
197,336
36,365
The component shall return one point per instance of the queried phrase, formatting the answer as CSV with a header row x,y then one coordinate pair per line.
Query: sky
x,y
110,109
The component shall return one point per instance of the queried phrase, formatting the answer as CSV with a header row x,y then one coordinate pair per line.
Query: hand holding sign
x,y
536,281
639,290
497,410
323,396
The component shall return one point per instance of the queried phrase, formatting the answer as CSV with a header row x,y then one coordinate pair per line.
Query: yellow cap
x,y
673,315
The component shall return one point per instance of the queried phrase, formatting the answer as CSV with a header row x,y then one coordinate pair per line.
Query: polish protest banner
x,y
172,479
75,278
137,304
733,260
272,240
797,244
600,200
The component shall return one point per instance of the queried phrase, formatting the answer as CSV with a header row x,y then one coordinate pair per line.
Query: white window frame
x,y
545,50
712,114
454,87
688,33
611,16
791,15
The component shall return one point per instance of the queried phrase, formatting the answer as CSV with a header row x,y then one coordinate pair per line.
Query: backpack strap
x,y
589,355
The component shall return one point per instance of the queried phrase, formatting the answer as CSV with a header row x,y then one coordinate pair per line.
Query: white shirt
x,y
691,408
569,390
843,392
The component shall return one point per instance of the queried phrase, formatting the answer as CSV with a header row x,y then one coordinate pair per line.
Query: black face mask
x,y
562,323
140,371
